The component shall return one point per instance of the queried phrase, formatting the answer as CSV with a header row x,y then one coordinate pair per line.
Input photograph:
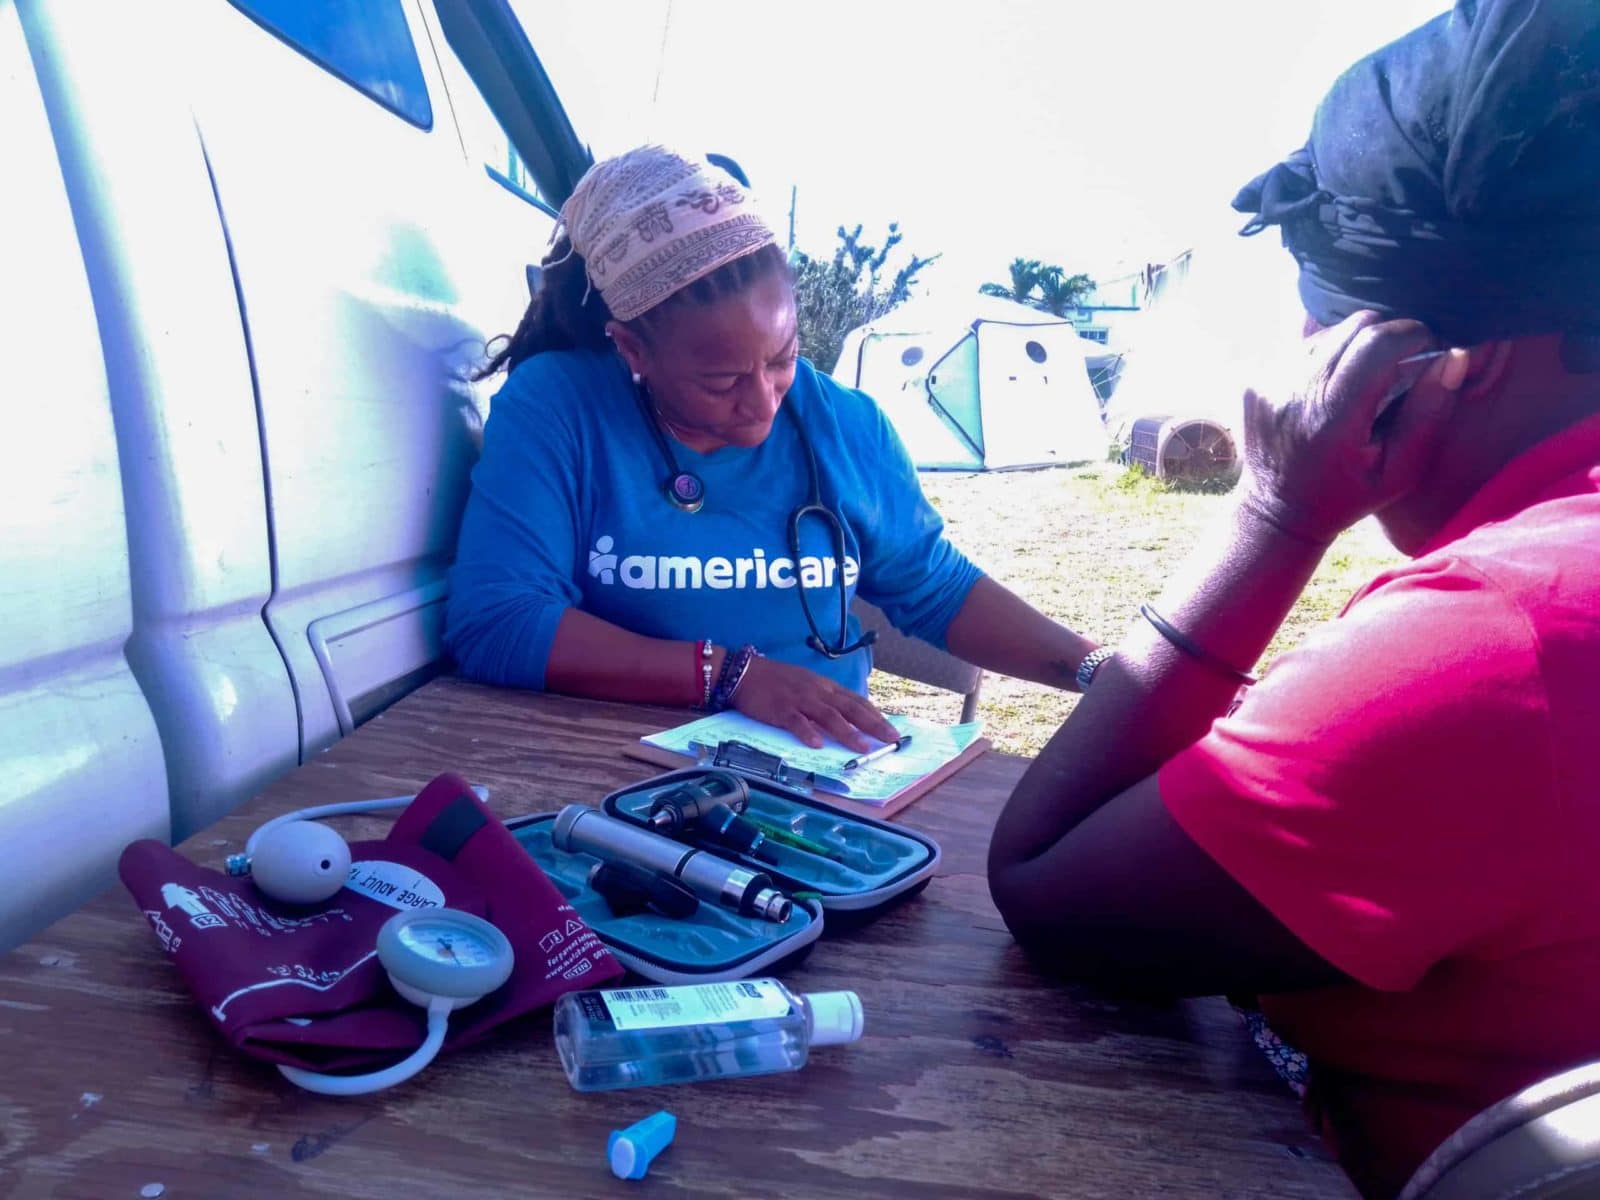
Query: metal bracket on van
x,y
747,760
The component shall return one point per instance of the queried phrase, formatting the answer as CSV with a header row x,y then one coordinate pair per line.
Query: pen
x,y
1423,357
862,760
1401,387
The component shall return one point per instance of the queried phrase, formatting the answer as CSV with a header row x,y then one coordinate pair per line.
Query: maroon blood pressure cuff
x,y
303,985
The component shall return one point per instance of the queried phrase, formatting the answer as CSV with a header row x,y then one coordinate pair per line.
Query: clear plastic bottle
x,y
638,1037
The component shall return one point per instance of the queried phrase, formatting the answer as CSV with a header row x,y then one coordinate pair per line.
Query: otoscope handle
x,y
588,831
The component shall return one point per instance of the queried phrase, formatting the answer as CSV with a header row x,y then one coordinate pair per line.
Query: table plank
x,y
977,1078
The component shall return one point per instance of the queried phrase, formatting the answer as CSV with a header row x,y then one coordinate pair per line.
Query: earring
x,y
636,379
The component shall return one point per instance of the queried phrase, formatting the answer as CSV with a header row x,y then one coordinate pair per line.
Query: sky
x,y
1096,136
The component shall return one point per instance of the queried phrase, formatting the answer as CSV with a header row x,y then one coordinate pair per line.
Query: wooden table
x,y
977,1079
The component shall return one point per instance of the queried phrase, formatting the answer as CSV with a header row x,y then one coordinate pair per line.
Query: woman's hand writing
x,y
1317,457
809,705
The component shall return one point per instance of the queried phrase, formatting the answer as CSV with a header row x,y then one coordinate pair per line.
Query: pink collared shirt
x,y
1415,792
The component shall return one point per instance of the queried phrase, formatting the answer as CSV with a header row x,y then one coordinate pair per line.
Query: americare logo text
x,y
689,573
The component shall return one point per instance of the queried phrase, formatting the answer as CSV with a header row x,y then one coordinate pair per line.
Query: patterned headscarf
x,y
1454,176
650,222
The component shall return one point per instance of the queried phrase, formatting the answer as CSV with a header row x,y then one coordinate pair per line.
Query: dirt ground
x,y
1087,545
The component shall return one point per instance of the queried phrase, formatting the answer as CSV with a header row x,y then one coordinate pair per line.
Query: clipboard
x,y
655,755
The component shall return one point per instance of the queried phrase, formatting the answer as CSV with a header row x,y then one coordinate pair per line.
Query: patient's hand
x,y
1317,459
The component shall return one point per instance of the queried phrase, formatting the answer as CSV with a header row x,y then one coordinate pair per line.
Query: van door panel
x,y
360,265
81,771
178,371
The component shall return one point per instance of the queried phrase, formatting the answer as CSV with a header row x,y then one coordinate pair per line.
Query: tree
x,y
834,297
1059,292
1025,273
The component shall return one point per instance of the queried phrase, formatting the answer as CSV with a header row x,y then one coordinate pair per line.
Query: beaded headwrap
x,y
650,222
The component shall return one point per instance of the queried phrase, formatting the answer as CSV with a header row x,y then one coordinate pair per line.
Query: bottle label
x,y
697,1004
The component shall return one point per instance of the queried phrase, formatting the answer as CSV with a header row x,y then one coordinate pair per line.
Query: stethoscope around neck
x,y
686,492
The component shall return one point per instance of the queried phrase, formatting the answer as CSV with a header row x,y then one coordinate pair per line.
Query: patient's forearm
x,y
1152,700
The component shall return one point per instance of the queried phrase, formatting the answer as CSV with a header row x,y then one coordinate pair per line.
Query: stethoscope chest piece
x,y
687,491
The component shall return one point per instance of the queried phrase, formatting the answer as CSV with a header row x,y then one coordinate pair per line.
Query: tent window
x,y
1036,352
911,355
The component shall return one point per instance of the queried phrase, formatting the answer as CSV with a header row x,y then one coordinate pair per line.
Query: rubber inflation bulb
x,y
300,862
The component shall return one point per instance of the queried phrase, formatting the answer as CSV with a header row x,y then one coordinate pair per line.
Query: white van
x,y
250,253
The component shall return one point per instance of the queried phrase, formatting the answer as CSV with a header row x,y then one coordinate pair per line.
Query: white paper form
x,y
875,783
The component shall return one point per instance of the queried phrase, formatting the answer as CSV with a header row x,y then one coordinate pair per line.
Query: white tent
x,y
1222,319
988,386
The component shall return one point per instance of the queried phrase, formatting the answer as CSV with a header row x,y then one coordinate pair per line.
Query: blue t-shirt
x,y
568,509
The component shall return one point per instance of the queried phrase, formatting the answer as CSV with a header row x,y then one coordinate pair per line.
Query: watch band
x,y
1091,663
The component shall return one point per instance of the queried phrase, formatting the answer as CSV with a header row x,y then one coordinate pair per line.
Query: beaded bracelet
x,y
734,667
703,654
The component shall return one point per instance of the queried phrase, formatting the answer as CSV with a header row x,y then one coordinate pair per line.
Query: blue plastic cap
x,y
631,1151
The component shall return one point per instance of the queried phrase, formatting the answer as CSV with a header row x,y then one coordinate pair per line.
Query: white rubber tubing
x,y
340,810
376,1081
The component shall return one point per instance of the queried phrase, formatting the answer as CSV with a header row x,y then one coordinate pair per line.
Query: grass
x,y
1086,546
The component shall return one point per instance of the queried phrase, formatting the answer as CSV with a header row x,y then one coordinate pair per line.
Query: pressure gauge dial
x,y
442,952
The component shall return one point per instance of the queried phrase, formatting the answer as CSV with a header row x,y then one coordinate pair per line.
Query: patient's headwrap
x,y
1454,177
650,222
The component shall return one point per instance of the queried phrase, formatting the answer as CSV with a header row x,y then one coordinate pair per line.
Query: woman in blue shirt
x,y
673,507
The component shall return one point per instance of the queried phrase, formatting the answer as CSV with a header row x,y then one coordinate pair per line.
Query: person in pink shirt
x,y
1389,839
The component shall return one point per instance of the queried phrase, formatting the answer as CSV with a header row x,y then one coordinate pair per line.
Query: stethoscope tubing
x,y
686,491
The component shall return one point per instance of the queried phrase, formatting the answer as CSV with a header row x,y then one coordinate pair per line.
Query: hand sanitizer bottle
x,y
637,1037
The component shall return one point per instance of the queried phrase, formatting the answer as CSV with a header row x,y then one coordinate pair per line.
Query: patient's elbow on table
x,y
1077,942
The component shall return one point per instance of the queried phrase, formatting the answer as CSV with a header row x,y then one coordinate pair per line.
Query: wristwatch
x,y
1090,664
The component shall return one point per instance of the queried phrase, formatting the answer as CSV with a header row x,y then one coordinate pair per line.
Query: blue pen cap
x,y
630,1151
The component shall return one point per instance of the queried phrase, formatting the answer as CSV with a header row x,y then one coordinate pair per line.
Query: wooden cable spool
x,y
1186,450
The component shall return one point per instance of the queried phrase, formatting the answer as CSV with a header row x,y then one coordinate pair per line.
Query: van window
x,y
366,43
482,135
